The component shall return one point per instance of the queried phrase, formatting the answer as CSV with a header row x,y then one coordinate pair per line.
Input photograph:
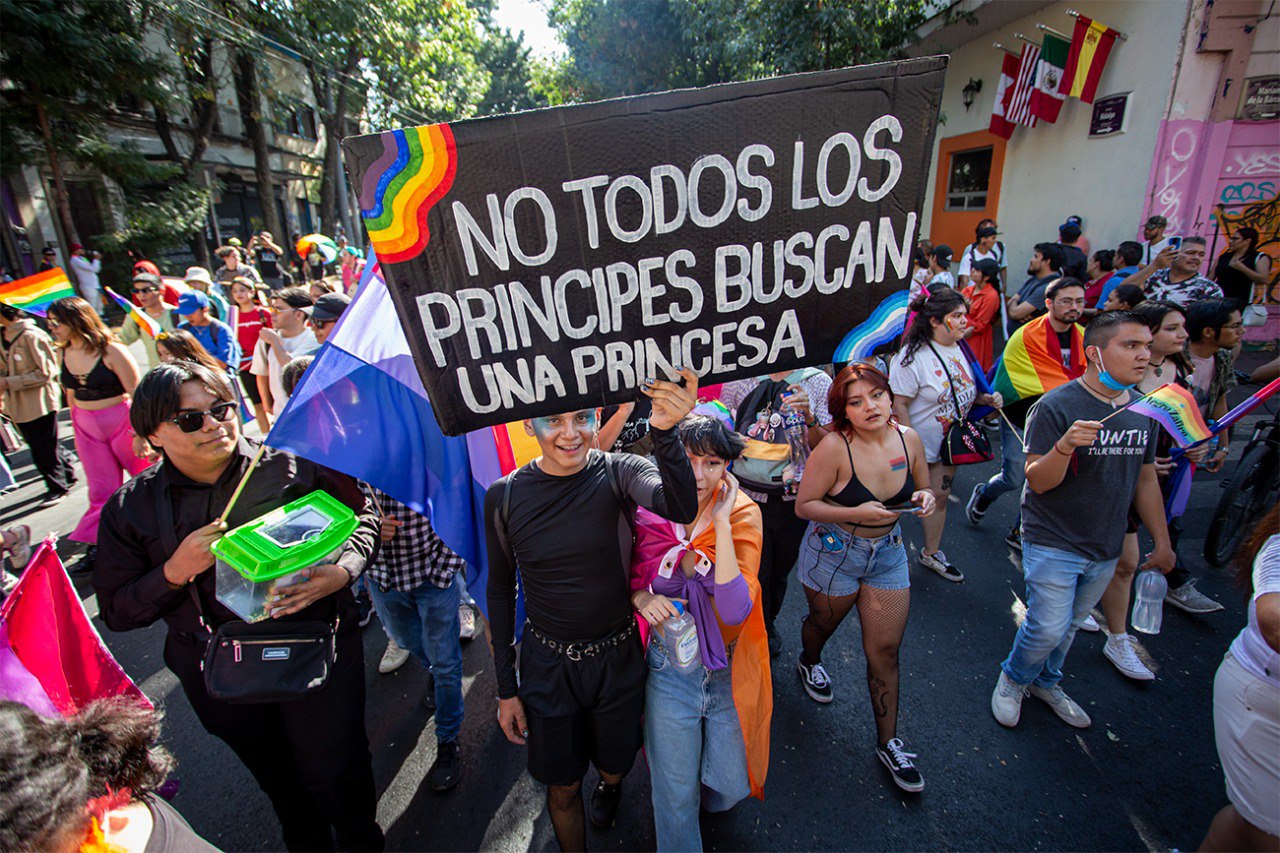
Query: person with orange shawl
x,y
706,732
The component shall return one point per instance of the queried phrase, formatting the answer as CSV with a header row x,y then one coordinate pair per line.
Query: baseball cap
x,y
75,247
147,278
328,307
191,302
198,274
48,250
986,231
1157,222
1069,230
234,241
942,254
990,269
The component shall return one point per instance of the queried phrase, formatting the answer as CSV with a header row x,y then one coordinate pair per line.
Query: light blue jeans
x,y
424,622
693,740
1062,588
1013,462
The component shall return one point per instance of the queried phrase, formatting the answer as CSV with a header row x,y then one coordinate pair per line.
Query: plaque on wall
x,y
1109,115
1261,99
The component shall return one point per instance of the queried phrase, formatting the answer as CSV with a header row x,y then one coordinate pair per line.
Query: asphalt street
x,y
1145,776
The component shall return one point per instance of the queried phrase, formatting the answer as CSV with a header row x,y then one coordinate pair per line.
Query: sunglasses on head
x,y
193,421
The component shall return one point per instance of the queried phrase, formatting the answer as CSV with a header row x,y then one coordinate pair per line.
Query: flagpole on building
x,y
1005,49
1073,13
1051,30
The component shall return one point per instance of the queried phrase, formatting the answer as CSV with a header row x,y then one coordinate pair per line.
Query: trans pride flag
x,y
361,409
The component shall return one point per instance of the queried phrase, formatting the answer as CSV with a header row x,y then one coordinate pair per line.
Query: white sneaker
x,y
1063,705
938,562
1091,625
466,622
1120,651
1006,701
1192,600
393,658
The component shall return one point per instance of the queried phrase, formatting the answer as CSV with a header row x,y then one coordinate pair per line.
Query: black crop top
x,y
854,493
100,383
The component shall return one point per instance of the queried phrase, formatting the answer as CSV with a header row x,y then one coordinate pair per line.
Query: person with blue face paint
x,y
565,519
1088,460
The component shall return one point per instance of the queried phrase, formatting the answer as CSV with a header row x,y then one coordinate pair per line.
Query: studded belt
x,y
578,651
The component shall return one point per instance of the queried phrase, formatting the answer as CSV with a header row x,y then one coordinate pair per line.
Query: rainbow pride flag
x,y
1032,361
148,326
35,293
1175,409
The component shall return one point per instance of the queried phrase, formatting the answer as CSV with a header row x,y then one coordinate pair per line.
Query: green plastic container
x,y
271,551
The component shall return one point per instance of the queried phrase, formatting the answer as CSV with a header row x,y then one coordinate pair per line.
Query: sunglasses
x,y
193,421
146,290
319,324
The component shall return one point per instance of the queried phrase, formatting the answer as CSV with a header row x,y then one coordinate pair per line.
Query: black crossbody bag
x,y
965,443
270,661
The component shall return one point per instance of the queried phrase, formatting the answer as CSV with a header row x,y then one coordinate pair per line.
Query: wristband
x,y
1060,450
813,423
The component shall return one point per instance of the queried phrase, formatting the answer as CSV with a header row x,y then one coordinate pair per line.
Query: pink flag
x,y
50,638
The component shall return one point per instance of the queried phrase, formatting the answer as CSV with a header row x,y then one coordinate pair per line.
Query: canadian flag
x,y
1000,124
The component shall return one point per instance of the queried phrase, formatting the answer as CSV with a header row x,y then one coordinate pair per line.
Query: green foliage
x,y
623,47
162,220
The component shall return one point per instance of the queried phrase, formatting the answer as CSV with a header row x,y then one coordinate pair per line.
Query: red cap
x,y
76,247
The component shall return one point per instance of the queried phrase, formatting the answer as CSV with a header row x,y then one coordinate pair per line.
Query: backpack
x,y
764,461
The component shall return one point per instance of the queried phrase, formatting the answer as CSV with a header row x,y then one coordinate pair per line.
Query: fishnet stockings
x,y
568,817
883,614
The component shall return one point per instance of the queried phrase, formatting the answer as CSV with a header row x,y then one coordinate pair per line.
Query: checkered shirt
x,y
415,555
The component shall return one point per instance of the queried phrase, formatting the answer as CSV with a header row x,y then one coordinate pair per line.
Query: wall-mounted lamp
x,y
970,89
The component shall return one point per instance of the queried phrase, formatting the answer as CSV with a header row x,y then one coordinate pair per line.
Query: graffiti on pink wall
x,y
1175,173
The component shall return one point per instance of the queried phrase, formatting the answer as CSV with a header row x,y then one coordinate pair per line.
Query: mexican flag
x,y
1091,44
1001,126
1046,100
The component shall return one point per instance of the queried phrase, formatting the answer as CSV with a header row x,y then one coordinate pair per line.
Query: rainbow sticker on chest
x,y
898,464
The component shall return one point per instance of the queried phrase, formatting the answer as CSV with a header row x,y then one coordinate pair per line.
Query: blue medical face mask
x,y
1105,377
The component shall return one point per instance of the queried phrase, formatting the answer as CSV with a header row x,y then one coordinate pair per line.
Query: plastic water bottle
x,y
680,636
798,442
1148,605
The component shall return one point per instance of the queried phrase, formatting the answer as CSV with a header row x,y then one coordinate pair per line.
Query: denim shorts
x,y
834,561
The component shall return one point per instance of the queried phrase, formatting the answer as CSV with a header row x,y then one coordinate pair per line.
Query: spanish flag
x,y
1090,46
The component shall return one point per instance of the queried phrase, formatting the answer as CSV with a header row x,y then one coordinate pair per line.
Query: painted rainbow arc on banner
x,y
884,324
414,172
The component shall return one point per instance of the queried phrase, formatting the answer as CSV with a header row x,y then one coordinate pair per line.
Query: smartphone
x,y
904,509
1175,243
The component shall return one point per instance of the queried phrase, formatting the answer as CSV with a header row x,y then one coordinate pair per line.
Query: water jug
x,y
1148,602
680,636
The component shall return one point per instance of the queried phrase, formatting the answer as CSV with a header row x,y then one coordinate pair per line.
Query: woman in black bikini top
x,y
852,553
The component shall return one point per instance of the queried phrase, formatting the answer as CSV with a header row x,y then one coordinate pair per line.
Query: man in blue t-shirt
x,y
214,335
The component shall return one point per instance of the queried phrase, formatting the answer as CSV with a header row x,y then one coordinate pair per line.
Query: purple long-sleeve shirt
x,y
732,602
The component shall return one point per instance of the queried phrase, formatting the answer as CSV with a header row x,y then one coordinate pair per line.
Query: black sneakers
x,y
604,805
446,770
898,760
815,681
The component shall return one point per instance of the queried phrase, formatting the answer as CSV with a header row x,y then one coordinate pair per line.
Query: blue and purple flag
x,y
360,408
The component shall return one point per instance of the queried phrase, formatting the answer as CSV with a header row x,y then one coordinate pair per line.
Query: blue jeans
x,y
1062,588
694,744
1013,461
424,622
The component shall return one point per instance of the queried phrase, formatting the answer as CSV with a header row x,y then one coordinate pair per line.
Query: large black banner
x,y
551,260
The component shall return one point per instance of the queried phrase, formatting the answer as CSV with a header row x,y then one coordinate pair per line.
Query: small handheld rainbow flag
x,y
149,327
1175,409
35,293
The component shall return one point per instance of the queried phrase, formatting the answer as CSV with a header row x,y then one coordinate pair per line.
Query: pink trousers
x,y
106,452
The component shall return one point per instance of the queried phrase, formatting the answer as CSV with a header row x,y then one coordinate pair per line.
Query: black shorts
x,y
584,711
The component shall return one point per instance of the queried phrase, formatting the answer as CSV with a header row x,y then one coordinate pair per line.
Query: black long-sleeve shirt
x,y
129,573
567,534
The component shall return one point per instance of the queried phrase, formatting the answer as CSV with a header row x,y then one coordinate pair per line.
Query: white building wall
x,y
1054,170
